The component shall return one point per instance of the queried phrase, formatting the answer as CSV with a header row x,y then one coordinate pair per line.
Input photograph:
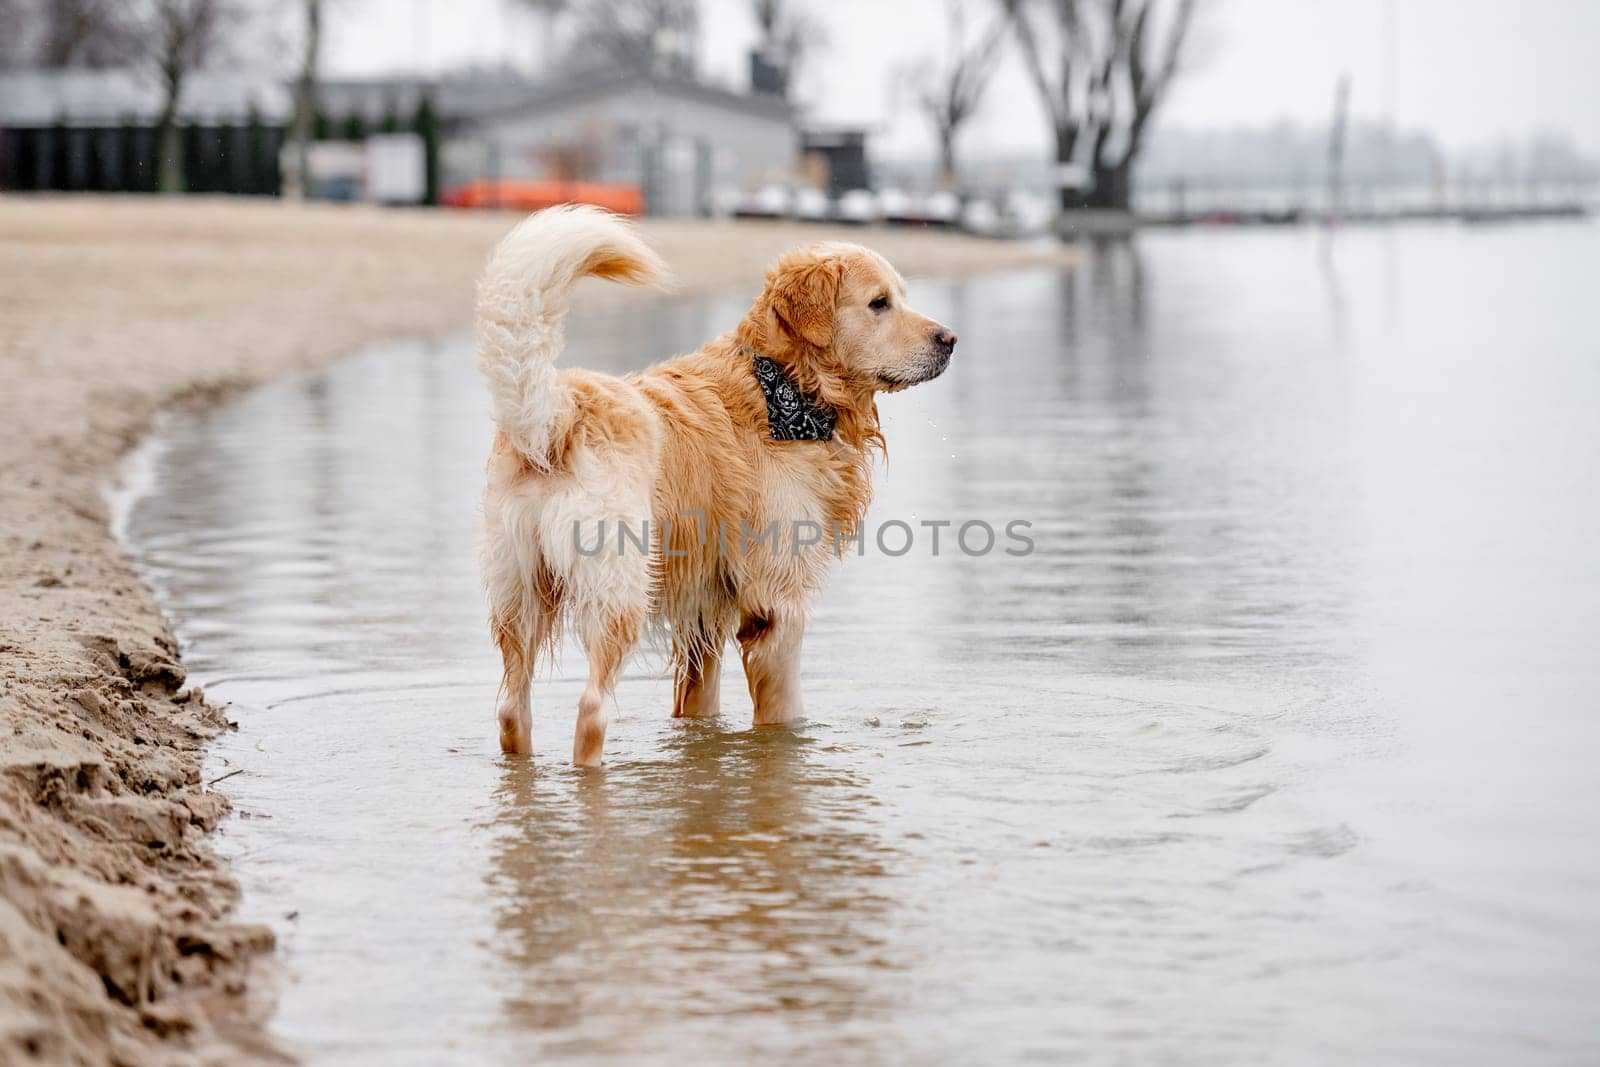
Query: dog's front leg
x,y
770,648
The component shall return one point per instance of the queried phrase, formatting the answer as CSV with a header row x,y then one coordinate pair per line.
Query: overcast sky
x,y
1470,71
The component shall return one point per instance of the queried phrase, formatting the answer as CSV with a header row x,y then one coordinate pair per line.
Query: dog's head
x,y
837,314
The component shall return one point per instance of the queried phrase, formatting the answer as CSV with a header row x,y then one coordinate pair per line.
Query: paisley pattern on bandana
x,y
791,415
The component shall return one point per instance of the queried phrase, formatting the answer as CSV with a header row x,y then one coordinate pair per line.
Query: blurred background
x,y
1000,116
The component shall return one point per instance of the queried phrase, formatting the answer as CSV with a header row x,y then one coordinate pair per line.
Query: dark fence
x,y
125,159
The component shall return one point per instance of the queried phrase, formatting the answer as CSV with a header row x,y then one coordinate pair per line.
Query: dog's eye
x,y
879,303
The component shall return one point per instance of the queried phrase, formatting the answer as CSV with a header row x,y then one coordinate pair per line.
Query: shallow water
x,y
1278,748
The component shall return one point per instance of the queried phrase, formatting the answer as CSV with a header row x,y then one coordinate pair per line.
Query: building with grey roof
x,y
685,144
680,141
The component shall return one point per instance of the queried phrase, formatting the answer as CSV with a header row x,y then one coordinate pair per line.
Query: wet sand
x,y
116,943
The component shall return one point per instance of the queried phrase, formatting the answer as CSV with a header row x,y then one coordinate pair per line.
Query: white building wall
x,y
680,148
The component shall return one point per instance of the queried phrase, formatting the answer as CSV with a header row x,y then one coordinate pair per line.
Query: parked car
x,y
934,209
767,202
897,205
858,206
811,205
981,216
726,201
1027,214
942,208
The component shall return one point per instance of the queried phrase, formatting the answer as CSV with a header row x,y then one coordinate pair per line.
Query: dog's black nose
x,y
945,339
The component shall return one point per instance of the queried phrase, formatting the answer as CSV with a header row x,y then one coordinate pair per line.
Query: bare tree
x,y
789,36
1102,68
949,92
653,35
182,35
90,33
67,33
305,96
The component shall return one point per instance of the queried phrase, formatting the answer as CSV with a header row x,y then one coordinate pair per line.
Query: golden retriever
x,y
706,495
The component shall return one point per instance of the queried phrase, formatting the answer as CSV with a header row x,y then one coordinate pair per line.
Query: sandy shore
x,y
115,939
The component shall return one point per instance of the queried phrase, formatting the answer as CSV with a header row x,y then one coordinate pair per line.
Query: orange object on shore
x,y
515,195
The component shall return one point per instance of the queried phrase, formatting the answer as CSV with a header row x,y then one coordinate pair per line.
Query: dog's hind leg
x,y
524,624
607,644
517,651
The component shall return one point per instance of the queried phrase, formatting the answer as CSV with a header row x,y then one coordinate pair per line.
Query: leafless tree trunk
x,y
1102,72
949,94
1336,136
183,34
305,104
789,35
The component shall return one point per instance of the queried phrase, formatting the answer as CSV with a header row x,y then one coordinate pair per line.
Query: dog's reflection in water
x,y
735,874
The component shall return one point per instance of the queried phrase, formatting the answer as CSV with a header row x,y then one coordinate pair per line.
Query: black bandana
x,y
791,415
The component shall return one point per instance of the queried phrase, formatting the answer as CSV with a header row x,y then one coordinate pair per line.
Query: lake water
x,y
1279,747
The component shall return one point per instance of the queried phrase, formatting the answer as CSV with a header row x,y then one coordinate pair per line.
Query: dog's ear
x,y
803,292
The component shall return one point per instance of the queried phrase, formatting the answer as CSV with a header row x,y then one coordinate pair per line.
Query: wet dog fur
x,y
683,446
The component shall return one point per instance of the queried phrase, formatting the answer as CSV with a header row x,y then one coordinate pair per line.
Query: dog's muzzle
x,y
931,362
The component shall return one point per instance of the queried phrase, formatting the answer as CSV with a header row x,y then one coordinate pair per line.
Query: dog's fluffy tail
x,y
523,299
